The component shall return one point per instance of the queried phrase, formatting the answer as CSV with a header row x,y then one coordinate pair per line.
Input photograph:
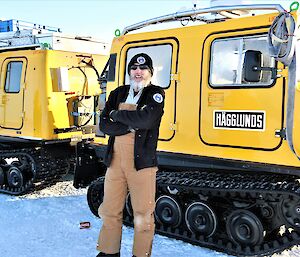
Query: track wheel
x,y
2,177
290,211
95,196
128,205
201,219
244,228
168,211
14,177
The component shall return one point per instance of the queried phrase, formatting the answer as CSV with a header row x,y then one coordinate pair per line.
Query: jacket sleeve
x,y
106,125
148,116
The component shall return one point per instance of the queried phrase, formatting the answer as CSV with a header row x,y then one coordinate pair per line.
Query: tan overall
x,y
121,176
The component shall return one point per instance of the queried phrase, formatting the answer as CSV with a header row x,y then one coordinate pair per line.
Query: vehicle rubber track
x,y
31,169
269,202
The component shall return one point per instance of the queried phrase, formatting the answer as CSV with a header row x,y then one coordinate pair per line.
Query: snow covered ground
x,y
46,224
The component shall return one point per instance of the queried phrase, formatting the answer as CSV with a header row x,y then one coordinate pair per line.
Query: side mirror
x,y
111,75
252,66
109,71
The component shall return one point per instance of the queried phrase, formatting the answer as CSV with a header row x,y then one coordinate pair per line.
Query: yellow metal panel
x,y
60,118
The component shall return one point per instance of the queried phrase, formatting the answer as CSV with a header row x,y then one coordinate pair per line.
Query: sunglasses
x,y
142,67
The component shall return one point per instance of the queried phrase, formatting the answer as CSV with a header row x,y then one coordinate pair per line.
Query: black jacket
x,y
145,120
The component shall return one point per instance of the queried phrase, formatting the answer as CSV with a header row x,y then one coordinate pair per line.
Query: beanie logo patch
x,y
158,98
141,60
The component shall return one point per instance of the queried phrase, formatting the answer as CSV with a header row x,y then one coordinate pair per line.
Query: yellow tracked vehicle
x,y
229,142
49,95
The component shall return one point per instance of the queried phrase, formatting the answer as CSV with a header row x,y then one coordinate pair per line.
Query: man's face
x,y
140,74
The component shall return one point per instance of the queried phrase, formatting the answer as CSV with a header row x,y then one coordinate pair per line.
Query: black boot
x,y
108,255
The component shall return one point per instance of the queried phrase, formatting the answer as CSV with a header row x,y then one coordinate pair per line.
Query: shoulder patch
x,y
158,98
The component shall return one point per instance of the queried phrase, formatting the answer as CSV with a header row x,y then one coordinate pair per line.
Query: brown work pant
x,y
121,176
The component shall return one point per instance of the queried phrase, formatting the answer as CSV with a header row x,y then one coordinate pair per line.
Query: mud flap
x,y
88,166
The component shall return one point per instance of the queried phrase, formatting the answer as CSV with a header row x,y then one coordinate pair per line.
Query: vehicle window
x,y
162,59
227,59
13,77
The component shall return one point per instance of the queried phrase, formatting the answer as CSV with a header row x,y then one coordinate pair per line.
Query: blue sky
x,y
97,18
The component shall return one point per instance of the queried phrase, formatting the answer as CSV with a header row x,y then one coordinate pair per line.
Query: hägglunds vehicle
x,y
229,142
49,95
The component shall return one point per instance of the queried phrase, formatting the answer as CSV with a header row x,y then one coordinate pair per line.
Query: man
x,y
131,117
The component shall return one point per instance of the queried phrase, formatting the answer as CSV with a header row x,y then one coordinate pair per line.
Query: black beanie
x,y
141,59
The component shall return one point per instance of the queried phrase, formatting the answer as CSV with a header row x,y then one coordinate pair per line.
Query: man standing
x,y
131,118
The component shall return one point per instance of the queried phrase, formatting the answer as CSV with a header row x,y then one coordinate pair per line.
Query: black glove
x,y
112,115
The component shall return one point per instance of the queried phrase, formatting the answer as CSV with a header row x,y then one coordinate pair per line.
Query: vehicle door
x,y
237,111
13,72
164,56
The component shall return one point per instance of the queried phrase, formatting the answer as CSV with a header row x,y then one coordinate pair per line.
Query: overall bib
x,y
120,178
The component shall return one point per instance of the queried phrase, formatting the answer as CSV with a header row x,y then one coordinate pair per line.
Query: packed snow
x,y
47,224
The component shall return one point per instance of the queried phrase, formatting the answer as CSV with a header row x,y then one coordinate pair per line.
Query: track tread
x,y
45,170
262,188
